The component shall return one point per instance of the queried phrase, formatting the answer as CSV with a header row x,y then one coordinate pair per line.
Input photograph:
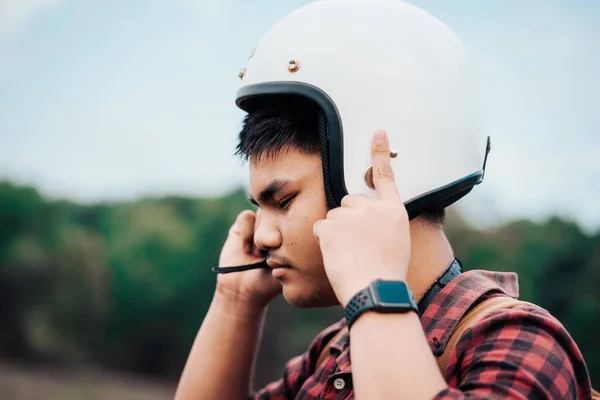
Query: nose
x,y
267,234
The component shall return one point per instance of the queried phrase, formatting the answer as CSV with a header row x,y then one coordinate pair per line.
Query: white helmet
x,y
372,64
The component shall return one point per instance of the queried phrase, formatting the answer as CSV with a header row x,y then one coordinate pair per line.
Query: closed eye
x,y
286,202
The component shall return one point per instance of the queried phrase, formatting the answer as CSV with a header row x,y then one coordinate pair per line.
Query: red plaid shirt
x,y
518,353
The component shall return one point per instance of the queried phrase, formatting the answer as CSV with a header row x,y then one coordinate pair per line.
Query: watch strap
x,y
363,301
360,302
227,270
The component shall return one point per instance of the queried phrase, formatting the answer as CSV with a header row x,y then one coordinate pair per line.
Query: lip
x,y
276,264
278,273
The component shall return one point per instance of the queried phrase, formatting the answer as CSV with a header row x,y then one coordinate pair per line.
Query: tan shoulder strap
x,y
325,351
470,318
475,314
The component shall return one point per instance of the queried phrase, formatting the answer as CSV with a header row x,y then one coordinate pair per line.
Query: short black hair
x,y
435,216
271,129
276,127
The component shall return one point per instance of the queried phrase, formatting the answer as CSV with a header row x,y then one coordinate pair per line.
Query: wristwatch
x,y
381,296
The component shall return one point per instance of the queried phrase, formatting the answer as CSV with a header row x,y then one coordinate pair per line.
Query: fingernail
x,y
379,137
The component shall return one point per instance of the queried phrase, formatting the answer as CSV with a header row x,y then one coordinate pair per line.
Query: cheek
x,y
300,221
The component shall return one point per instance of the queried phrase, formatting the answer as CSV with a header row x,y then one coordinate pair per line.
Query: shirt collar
x,y
456,298
446,309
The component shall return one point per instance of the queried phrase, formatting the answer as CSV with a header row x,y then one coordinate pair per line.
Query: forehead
x,y
290,165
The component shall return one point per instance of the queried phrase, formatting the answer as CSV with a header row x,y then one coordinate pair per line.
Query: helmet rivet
x,y
242,73
369,178
393,153
293,66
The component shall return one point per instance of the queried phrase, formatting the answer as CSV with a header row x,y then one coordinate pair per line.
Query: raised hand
x,y
256,285
366,239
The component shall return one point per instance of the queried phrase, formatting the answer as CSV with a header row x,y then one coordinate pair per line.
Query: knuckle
x,y
243,223
352,198
317,228
322,225
383,172
380,147
347,200
244,216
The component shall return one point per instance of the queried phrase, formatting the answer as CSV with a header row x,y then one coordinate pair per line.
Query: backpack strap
x,y
325,350
468,320
478,312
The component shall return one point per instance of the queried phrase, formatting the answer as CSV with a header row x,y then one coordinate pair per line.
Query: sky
x,y
117,100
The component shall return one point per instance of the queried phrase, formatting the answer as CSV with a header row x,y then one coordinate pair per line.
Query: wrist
x,y
382,296
354,286
237,303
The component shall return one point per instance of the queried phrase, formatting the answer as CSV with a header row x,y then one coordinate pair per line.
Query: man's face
x,y
288,188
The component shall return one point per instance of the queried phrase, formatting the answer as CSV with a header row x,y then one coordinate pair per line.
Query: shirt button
x,y
339,383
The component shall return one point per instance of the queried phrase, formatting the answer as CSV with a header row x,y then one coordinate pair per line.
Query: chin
x,y
304,296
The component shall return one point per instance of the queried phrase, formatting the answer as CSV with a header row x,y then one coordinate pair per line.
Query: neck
x,y
430,255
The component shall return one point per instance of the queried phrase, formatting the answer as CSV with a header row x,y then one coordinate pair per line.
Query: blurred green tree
x,y
126,285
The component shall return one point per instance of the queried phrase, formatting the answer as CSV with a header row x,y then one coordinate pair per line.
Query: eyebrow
x,y
270,191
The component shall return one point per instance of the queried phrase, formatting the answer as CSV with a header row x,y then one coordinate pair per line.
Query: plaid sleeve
x,y
521,353
297,370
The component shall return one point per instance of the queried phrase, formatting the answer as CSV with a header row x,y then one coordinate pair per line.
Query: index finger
x,y
383,174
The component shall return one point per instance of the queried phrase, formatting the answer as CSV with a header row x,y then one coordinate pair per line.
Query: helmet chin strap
x,y
227,270
324,146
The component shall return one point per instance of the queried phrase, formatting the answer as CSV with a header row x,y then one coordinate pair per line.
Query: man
x,y
345,219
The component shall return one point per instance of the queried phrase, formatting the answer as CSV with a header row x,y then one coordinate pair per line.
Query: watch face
x,y
391,293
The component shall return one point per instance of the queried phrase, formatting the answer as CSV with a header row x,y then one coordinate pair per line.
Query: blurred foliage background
x,y
122,288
